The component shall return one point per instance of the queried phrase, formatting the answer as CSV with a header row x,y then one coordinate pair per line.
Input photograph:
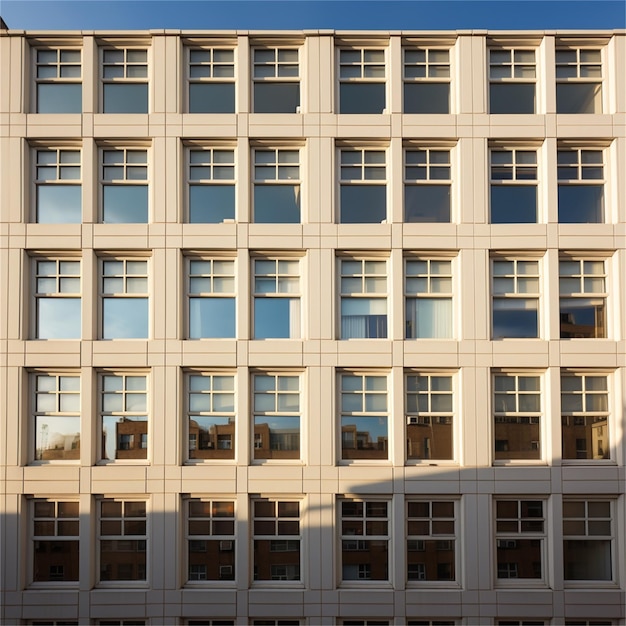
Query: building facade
x,y
312,328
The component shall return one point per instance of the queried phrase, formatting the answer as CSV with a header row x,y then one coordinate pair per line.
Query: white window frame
x,y
434,71
59,65
516,66
213,65
579,65
125,48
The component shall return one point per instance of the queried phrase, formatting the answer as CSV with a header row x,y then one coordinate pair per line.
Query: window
x,y
57,313
511,80
582,289
210,540
124,80
427,185
212,311
58,80
513,186
517,417
276,82
276,416
520,539
437,622
362,80
585,416
581,186
431,540
56,416
426,80
211,415
125,186
211,80
587,540
521,622
210,622
515,298
363,191
123,415
58,186
211,185
276,622
363,298
368,521
122,535
578,80
55,541
276,186
276,523
364,622
429,417
124,298
276,298
428,293
364,429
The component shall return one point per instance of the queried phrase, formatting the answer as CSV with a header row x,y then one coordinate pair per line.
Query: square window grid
x,y
427,185
585,417
125,80
362,80
580,173
58,186
431,541
276,416
276,186
56,417
55,541
276,538
517,417
276,80
426,80
57,313
578,80
429,417
364,418
210,540
363,190
520,539
124,418
582,298
512,76
211,80
212,300
211,185
124,195
365,523
58,80
122,538
211,417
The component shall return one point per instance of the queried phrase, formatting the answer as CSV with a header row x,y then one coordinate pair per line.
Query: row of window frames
x,y
210,411
276,83
339,622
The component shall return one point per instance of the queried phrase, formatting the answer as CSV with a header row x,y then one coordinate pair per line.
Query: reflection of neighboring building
x,y
123,559
364,560
216,442
429,437
60,447
271,443
358,444
517,437
430,560
56,561
131,439
277,559
580,434
571,330
211,560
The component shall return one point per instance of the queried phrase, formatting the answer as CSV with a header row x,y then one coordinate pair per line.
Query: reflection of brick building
x,y
270,443
429,438
211,559
123,559
214,443
517,437
132,439
62,447
585,438
364,560
430,560
276,559
358,444
55,561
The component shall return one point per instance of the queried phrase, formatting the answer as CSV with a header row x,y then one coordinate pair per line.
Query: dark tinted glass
x,y
581,204
212,98
361,98
426,98
125,98
578,98
513,204
211,204
427,203
511,98
363,204
59,98
276,97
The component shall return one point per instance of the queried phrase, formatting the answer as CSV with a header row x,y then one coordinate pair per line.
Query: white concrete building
x,y
312,328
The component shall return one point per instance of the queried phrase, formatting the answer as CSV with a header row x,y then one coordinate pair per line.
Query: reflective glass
x,y
59,98
125,98
361,98
211,317
212,98
511,98
427,203
124,318
581,204
276,97
59,204
513,204
363,204
277,204
58,318
426,98
578,98
211,204
125,204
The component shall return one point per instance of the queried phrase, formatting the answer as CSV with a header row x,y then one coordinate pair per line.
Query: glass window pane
x,y
511,98
578,98
427,203
212,97
276,97
363,204
581,204
59,98
361,98
125,204
58,318
211,204
276,318
125,98
124,318
59,204
211,317
277,204
426,98
513,204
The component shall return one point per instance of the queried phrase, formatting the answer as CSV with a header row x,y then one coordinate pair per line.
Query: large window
x,y
276,186
427,185
276,538
211,415
428,294
124,80
513,186
211,185
363,285
431,540
211,298
578,80
276,416
520,539
58,186
125,186
585,416
58,80
429,417
581,186
365,538
517,417
588,540
56,416
582,289
210,540
124,292
276,80
211,80
512,78
55,541
515,298
123,416
57,313
364,417
362,80
426,80
122,539
363,190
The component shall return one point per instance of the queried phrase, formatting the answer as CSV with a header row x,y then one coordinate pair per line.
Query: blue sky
x,y
313,14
